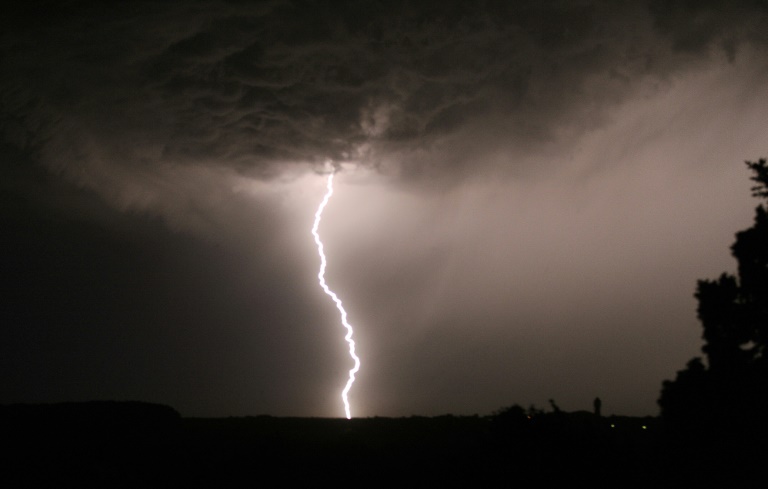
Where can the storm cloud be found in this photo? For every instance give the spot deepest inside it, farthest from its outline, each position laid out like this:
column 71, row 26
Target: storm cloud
column 416, row 88
column 528, row 189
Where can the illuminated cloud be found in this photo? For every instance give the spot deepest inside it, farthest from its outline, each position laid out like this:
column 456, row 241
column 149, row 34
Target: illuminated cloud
column 528, row 190
column 258, row 86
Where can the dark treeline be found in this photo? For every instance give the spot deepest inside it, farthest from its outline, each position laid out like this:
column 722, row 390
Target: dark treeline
column 109, row 444
column 106, row 444
column 716, row 409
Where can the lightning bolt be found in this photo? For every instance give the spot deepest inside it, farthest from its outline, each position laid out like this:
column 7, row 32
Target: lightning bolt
column 339, row 306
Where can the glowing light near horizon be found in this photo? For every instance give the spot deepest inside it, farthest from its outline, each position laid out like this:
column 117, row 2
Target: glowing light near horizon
column 339, row 306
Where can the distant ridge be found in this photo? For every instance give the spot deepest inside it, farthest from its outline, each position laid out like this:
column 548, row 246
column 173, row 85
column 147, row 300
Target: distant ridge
column 83, row 414
column 138, row 444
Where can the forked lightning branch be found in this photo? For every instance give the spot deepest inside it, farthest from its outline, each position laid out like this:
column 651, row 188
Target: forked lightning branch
column 332, row 295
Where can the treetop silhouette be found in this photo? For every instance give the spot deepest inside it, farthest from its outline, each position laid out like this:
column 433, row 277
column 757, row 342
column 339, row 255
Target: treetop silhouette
column 730, row 392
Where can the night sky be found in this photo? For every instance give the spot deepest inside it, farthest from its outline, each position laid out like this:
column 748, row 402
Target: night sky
column 526, row 194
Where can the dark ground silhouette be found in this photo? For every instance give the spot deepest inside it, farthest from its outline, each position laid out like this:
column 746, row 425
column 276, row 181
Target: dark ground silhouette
column 107, row 444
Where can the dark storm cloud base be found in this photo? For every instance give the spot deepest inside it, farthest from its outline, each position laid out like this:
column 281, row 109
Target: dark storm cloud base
column 262, row 86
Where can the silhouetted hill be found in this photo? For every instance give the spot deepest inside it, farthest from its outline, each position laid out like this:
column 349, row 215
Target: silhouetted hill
column 113, row 444
column 107, row 443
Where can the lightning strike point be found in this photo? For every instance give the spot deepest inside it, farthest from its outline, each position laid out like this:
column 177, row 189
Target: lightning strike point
column 332, row 295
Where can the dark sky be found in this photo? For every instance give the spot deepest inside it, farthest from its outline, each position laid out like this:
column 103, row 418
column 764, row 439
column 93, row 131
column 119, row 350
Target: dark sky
column 528, row 192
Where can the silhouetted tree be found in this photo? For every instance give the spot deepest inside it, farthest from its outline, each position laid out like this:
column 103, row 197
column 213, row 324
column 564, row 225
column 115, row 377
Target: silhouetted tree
column 729, row 395
column 555, row 407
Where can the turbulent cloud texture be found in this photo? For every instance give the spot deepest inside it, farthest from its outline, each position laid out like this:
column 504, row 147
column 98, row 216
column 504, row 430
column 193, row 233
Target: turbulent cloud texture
column 134, row 87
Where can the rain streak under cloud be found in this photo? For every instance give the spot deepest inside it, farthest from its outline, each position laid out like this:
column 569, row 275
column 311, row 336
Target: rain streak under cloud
column 528, row 194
